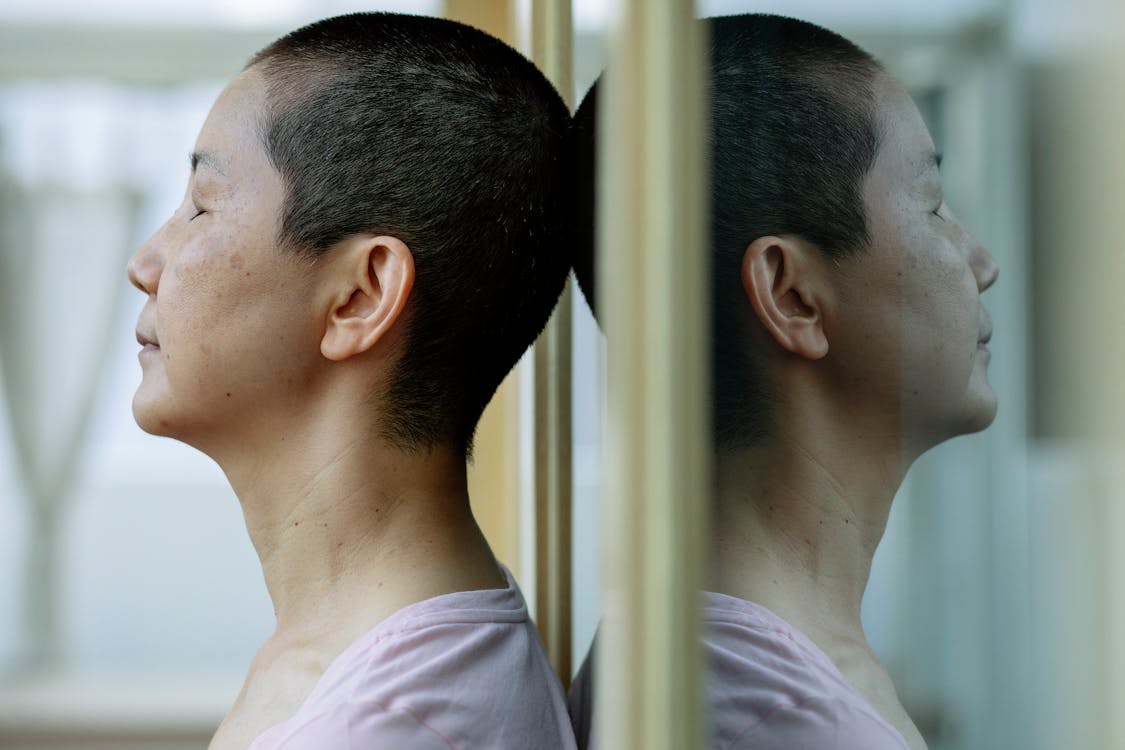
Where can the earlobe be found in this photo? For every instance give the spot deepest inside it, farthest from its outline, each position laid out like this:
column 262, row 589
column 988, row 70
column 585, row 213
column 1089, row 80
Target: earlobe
column 372, row 277
column 779, row 281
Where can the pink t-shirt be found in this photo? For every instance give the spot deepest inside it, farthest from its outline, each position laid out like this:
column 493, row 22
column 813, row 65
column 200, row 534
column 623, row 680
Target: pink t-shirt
column 462, row 671
column 770, row 688
column 773, row 689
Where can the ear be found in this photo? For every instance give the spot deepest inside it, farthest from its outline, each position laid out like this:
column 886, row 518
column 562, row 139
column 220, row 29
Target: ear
column 779, row 276
column 373, row 277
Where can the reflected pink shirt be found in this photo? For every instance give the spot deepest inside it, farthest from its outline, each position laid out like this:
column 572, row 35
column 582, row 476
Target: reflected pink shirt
column 462, row 671
column 770, row 688
column 773, row 689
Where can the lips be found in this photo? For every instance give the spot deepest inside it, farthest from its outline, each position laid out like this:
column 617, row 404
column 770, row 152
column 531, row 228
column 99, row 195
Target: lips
column 147, row 341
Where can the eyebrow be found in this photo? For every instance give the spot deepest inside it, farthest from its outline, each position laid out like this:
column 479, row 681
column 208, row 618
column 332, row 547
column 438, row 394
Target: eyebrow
column 207, row 159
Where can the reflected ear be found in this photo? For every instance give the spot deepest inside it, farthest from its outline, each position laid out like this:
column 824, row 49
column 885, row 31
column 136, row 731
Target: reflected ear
column 780, row 278
column 373, row 277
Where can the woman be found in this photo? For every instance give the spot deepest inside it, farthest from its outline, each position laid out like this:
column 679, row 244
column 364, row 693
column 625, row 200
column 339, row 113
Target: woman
column 368, row 243
column 849, row 337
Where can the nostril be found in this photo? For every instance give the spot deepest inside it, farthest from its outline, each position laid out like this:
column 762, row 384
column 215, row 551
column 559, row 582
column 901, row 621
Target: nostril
column 991, row 274
column 144, row 269
column 136, row 278
column 131, row 272
column 986, row 268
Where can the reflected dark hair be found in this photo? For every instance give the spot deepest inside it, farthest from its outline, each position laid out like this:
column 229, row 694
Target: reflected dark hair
column 792, row 135
column 448, row 139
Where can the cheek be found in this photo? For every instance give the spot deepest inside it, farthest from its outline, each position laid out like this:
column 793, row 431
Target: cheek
column 195, row 301
column 946, row 320
column 960, row 300
column 206, row 301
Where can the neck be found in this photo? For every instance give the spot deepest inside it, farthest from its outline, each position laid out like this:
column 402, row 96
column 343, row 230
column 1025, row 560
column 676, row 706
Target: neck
column 349, row 529
column 799, row 516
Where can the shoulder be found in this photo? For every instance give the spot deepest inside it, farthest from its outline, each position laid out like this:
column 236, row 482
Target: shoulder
column 817, row 723
column 760, row 660
column 456, row 638
column 459, row 671
column 359, row 724
column 771, row 687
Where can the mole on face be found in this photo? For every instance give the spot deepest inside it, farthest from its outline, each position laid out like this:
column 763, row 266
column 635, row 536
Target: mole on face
column 224, row 293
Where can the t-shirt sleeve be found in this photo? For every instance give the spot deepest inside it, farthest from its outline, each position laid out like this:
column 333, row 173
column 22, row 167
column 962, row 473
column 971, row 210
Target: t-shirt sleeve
column 351, row 726
column 817, row 725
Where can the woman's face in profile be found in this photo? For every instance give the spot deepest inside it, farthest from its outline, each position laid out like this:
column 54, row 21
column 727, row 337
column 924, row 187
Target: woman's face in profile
column 914, row 319
column 226, row 331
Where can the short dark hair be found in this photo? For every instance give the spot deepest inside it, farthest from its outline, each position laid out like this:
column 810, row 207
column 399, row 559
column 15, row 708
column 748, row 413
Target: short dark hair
column 792, row 135
column 446, row 138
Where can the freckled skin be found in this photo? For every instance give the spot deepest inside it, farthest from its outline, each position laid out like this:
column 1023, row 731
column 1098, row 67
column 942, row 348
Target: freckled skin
column 240, row 373
column 800, row 513
column 227, row 306
column 909, row 314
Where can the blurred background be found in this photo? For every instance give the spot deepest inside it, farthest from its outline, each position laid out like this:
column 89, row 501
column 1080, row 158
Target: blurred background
column 130, row 598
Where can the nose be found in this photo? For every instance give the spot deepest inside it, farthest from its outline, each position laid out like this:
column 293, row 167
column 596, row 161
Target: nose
column 984, row 267
column 146, row 265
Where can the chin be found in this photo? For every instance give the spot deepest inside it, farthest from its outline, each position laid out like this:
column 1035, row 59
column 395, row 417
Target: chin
column 147, row 414
column 984, row 420
column 976, row 418
column 149, row 423
column 979, row 417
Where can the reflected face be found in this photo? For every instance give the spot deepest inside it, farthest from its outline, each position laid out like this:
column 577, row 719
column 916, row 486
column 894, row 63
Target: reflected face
column 911, row 304
column 225, row 331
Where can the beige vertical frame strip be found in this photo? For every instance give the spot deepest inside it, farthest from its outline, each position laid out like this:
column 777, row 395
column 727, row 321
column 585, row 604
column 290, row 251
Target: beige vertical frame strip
column 497, row 17
column 551, row 50
column 653, row 264
column 494, row 474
